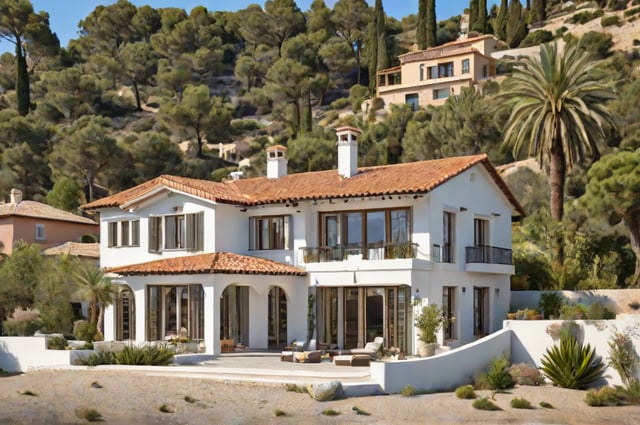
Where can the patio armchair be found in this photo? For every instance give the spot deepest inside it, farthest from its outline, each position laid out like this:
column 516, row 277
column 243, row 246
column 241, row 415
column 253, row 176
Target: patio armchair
column 370, row 348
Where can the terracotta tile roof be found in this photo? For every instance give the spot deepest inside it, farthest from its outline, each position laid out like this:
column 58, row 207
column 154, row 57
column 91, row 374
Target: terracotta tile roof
column 408, row 178
column 40, row 210
column 212, row 263
column 76, row 249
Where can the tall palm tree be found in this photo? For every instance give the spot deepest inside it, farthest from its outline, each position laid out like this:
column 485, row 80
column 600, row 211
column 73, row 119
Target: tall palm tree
column 95, row 288
column 558, row 111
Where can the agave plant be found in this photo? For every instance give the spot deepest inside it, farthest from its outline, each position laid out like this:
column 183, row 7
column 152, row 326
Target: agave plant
column 572, row 365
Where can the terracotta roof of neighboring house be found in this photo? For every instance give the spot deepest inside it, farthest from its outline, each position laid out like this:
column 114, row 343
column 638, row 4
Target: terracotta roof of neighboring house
column 40, row 210
column 397, row 179
column 434, row 54
column 76, row 249
column 217, row 262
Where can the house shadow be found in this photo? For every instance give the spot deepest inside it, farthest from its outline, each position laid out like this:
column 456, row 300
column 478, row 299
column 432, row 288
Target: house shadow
column 8, row 362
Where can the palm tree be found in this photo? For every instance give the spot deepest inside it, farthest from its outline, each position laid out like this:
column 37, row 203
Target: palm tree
column 558, row 110
column 95, row 288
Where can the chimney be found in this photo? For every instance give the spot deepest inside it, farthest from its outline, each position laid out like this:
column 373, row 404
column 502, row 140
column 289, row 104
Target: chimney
column 348, row 150
column 276, row 162
column 15, row 196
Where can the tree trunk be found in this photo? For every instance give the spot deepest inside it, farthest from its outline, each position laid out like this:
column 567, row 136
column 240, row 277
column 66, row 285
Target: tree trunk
column 557, row 174
column 136, row 91
column 633, row 223
column 99, row 324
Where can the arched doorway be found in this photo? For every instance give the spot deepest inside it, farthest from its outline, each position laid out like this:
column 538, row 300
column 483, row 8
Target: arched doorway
column 125, row 315
column 277, row 317
column 234, row 314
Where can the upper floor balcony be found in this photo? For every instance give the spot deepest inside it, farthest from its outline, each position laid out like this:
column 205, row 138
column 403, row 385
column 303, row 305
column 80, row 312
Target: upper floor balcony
column 488, row 255
column 372, row 252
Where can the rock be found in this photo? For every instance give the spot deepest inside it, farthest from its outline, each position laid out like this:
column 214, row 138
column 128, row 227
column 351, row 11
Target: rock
column 325, row 391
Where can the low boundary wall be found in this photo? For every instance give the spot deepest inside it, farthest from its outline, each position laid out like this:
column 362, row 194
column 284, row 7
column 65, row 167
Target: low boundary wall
column 21, row 354
column 445, row 371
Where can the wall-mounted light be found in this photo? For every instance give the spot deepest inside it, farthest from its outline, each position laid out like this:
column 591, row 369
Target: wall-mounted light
column 463, row 209
column 497, row 291
column 416, row 196
column 177, row 208
column 464, row 289
column 315, row 202
column 495, row 214
column 346, row 200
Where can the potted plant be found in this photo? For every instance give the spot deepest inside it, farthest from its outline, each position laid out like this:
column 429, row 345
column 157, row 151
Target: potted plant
column 429, row 322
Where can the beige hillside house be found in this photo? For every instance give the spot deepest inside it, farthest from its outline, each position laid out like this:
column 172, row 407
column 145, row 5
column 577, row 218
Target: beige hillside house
column 429, row 77
column 235, row 262
column 35, row 222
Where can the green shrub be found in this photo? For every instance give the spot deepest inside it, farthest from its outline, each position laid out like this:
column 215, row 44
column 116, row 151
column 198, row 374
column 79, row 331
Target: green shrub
column 280, row 412
column 484, row 404
column 535, row 38
column 330, row 412
column 623, row 356
column 498, row 377
column 631, row 12
column 604, row 396
column 550, row 304
column 526, row 374
column 189, row 399
column 165, row 408
column 295, row 388
column 573, row 312
column 597, row 43
column 340, row 103
column 21, row 323
column 359, row 411
column 546, row 405
column 57, row 342
column 84, row 331
column 241, row 125
column 597, row 311
column 90, row 415
column 584, row 17
column 147, row 356
column 609, row 21
column 617, row 4
column 408, row 391
column 466, row 392
column 572, row 365
column 357, row 95
column 520, row 403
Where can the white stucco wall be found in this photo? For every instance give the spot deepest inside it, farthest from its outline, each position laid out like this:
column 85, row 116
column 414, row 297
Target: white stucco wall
column 21, row 354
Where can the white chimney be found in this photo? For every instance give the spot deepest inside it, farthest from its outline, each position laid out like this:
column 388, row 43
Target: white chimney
column 348, row 150
column 276, row 161
column 15, row 196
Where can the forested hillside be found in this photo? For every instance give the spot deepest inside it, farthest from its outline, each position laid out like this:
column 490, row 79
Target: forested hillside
column 143, row 92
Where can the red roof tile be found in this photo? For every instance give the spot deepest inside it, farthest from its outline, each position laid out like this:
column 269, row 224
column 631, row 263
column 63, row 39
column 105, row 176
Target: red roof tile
column 76, row 249
column 408, row 178
column 212, row 263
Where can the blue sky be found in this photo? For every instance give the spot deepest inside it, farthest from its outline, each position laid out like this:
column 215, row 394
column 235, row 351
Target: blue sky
column 64, row 15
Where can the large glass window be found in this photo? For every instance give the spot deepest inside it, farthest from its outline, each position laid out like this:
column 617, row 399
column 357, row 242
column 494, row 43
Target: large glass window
column 413, row 100
column 369, row 231
column 445, row 69
column 441, row 93
column 448, row 310
column 175, row 232
column 270, row 232
column 171, row 310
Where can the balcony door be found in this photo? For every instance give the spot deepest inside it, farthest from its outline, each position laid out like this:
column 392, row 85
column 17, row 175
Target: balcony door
column 481, row 238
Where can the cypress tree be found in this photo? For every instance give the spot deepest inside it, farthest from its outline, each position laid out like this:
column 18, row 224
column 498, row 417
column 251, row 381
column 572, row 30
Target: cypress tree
column 480, row 22
column 473, row 14
column 421, row 30
column 500, row 24
column 377, row 44
column 432, row 25
column 538, row 11
column 516, row 27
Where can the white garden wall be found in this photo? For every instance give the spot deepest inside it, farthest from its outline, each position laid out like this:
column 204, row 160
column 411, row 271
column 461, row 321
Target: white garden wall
column 21, row 354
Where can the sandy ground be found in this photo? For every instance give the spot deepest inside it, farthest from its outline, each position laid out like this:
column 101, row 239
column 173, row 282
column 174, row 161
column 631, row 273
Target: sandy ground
column 126, row 397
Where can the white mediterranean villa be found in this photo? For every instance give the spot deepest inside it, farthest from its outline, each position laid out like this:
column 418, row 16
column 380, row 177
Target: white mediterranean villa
column 342, row 255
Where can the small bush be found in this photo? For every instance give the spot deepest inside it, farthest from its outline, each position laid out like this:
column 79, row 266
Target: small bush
column 84, row 331
column 359, row 411
column 604, row 396
column 330, row 412
column 498, row 377
column 550, row 304
column 573, row 312
column 535, row 38
column 408, row 391
column 609, row 21
column 189, row 399
column 526, row 374
column 466, row 392
column 21, row 323
column 165, row 408
column 295, row 388
column 57, row 342
column 340, row 103
column 280, row 412
column 546, row 405
column 631, row 12
column 147, row 356
column 29, row 393
column 90, row 415
column 597, row 311
column 357, row 95
column 520, row 403
column 485, row 404
column 623, row 356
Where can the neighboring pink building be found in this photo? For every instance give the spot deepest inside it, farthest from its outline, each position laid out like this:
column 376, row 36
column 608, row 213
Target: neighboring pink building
column 35, row 222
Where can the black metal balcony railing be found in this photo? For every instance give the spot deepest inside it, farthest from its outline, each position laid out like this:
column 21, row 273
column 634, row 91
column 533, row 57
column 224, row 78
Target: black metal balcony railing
column 442, row 253
column 381, row 251
column 489, row 255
